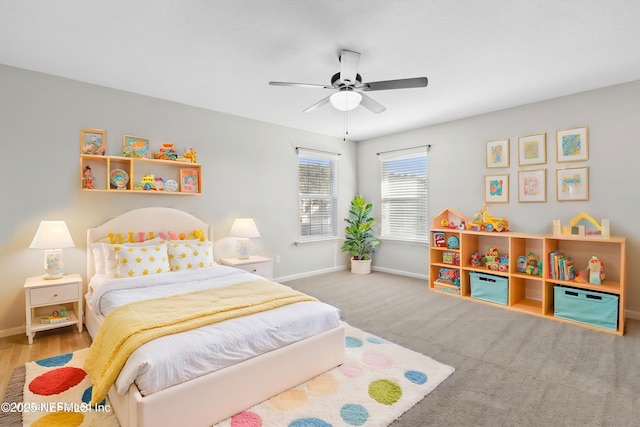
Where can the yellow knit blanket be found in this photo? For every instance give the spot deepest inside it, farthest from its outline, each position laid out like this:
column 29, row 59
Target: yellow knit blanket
column 128, row 327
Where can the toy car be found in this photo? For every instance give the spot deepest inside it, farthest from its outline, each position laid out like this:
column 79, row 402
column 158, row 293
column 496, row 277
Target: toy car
column 483, row 221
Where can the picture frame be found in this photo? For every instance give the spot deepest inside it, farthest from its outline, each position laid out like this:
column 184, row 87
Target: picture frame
column 189, row 181
column 532, row 149
column 497, row 154
column 136, row 146
column 572, row 184
column 572, row 145
column 496, row 188
column 93, row 141
column 532, row 186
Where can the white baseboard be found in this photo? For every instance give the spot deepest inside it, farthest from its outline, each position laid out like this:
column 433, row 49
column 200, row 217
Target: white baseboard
column 13, row 331
column 635, row 315
column 400, row 272
column 309, row 274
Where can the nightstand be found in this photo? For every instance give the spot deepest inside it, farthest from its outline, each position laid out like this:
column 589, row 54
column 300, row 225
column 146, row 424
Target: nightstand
column 43, row 296
column 259, row 265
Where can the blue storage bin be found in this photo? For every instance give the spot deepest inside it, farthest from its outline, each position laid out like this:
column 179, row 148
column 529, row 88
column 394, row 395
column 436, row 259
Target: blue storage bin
column 489, row 288
column 589, row 307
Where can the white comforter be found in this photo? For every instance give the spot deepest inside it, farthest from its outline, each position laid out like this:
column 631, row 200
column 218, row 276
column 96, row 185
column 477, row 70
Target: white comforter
column 173, row 359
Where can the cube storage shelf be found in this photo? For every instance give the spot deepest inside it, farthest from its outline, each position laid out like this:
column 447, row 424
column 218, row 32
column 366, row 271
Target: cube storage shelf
column 136, row 168
column 529, row 293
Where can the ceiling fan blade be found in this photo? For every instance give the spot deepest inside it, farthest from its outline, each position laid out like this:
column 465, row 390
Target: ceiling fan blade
column 372, row 105
column 349, row 61
column 318, row 104
column 301, row 85
column 395, row 84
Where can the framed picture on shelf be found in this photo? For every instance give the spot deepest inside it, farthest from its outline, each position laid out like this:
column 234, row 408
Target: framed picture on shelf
column 93, row 141
column 572, row 145
column 532, row 149
column 189, row 180
column 135, row 146
column 573, row 184
column 498, row 154
column 496, row 188
column 532, row 186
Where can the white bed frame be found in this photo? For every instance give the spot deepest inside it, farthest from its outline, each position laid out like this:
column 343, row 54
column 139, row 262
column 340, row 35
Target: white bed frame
column 218, row 395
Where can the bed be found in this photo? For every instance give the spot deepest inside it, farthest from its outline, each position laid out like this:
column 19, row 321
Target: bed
column 214, row 395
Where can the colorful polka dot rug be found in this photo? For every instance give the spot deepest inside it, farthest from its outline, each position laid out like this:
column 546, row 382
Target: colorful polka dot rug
column 376, row 384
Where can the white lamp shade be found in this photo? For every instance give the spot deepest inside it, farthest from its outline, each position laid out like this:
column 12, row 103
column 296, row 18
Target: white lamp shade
column 345, row 100
column 52, row 235
column 244, row 227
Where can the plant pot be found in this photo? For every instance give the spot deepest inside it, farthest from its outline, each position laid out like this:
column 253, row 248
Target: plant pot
column 360, row 266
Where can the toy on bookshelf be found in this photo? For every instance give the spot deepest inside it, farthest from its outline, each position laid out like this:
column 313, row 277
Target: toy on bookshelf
column 503, row 263
column 452, row 258
column 476, row 259
column 453, row 242
column 533, row 265
column 439, row 240
column 596, row 271
column 482, row 221
column 448, row 280
column 521, row 265
column 582, row 225
column 491, row 259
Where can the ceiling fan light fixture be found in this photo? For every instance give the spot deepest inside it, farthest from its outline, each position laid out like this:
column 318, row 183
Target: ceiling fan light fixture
column 345, row 100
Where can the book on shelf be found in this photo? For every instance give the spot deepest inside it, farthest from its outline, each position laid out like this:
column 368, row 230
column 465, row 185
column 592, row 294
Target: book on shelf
column 55, row 319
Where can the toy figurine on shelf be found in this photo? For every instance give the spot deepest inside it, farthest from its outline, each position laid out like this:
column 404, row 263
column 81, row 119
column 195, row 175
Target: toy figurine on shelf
column 87, row 178
column 190, row 154
column 491, row 259
column 148, row 182
column 503, row 263
column 521, row 266
column 476, row 259
column 533, row 267
column 482, row 221
column 596, row 271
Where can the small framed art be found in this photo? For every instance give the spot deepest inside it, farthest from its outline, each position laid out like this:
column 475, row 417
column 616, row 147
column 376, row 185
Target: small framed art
column 496, row 188
column 573, row 184
column 135, row 146
column 532, row 186
column 189, row 180
column 532, row 149
column 498, row 154
column 572, row 145
column 93, row 141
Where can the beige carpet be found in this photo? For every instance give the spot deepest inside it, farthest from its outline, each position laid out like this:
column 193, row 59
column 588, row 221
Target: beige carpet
column 378, row 382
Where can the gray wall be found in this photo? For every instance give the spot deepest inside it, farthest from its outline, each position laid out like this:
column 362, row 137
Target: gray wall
column 249, row 169
column 457, row 169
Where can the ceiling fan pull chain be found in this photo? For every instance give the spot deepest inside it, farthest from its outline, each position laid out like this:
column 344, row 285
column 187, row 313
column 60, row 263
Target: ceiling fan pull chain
column 346, row 125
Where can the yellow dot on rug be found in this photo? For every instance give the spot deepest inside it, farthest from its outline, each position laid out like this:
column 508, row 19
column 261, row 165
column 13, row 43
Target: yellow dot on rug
column 290, row 399
column 322, row 385
column 59, row 419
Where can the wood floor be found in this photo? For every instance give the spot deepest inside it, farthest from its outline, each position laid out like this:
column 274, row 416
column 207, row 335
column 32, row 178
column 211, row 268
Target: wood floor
column 16, row 351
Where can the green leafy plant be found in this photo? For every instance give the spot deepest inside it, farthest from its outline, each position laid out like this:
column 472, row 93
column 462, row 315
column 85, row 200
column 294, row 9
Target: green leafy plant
column 360, row 240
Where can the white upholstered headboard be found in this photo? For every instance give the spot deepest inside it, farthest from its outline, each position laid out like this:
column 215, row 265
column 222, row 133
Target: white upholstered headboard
column 154, row 219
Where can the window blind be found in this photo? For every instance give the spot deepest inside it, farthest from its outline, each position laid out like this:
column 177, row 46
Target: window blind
column 316, row 194
column 404, row 194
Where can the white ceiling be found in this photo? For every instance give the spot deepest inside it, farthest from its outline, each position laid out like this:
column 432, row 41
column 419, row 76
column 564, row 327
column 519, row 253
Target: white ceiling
column 479, row 55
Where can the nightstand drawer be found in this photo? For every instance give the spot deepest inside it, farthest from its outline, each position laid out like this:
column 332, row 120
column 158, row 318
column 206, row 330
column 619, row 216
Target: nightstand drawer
column 53, row 294
column 259, row 268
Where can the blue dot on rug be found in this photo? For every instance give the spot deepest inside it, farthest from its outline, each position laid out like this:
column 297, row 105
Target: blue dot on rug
column 352, row 342
column 86, row 397
column 353, row 414
column 376, row 340
column 416, row 377
column 309, row 422
column 59, row 360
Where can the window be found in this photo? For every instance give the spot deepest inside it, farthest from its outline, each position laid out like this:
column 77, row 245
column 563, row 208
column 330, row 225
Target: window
column 317, row 194
column 404, row 194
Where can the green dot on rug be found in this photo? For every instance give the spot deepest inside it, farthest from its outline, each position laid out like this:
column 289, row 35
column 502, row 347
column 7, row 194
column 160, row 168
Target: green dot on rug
column 385, row 392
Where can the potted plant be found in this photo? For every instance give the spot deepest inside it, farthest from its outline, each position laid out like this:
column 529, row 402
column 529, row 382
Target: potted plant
column 359, row 238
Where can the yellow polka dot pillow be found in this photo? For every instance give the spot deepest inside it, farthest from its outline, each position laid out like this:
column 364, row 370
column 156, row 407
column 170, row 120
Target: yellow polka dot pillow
column 141, row 260
column 190, row 255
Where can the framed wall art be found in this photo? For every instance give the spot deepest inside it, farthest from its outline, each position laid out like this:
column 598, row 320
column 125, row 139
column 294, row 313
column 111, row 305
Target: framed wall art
column 572, row 145
column 532, row 149
column 572, row 184
column 498, row 154
column 496, row 188
column 93, row 141
column 189, row 180
column 532, row 186
column 135, row 146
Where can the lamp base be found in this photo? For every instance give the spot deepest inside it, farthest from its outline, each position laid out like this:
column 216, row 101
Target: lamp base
column 243, row 248
column 53, row 264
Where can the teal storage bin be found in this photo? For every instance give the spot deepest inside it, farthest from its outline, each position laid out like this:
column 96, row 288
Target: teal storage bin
column 490, row 288
column 589, row 307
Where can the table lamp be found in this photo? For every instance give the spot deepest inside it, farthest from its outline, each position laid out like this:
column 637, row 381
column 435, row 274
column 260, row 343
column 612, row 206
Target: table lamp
column 244, row 228
column 52, row 236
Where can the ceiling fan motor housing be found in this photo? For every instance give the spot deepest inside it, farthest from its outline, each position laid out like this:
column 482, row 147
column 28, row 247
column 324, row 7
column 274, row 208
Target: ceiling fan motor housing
column 337, row 83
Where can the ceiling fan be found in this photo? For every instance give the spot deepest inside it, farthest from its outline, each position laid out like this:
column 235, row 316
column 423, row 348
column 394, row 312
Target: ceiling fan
column 351, row 89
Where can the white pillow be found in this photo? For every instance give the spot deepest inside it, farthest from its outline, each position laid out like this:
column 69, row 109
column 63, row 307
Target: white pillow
column 141, row 260
column 98, row 258
column 110, row 256
column 190, row 254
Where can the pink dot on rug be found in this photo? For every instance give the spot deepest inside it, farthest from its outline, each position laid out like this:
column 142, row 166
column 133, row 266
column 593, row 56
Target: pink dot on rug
column 376, row 359
column 246, row 419
column 290, row 399
column 350, row 370
column 56, row 381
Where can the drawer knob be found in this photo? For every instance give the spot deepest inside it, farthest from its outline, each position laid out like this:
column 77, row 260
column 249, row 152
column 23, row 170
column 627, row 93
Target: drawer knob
column 55, row 295
column 254, row 270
